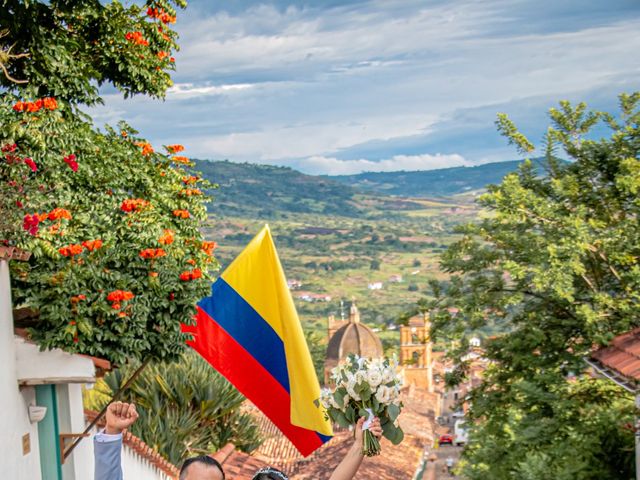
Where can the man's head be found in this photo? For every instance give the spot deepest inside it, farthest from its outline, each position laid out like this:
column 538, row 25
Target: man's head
column 201, row 468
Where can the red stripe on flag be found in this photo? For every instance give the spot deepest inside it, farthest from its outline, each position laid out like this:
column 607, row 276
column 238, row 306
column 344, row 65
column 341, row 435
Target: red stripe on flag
column 230, row 359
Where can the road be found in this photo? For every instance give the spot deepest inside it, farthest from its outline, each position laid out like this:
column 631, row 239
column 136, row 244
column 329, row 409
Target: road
column 436, row 470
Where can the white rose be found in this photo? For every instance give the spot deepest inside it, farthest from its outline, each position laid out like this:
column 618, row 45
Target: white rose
column 382, row 395
column 374, row 378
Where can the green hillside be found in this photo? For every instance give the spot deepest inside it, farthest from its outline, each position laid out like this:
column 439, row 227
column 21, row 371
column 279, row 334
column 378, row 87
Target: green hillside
column 268, row 192
column 430, row 183
column 265, row 191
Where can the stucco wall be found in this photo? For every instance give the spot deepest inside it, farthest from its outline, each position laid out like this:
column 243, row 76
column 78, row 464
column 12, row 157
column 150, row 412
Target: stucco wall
column 14, row 402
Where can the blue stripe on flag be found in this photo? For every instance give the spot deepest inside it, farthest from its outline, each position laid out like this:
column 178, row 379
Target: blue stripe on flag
column 232, row 312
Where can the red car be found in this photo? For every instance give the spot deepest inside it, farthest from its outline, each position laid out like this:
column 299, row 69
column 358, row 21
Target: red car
column 445, row 438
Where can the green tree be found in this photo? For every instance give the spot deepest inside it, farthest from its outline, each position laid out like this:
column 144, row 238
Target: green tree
column 68, row 49
column 375, row 264
column 555, row 266
column 118, row 258
column 186, row 408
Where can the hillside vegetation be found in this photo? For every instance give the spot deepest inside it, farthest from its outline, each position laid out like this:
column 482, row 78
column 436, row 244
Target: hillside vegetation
column 441, row 182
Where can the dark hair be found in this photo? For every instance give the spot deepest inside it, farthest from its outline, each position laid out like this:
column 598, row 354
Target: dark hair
column 270, row 473
column 206, row 459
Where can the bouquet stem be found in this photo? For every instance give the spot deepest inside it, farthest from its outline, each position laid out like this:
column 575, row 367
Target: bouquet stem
column 371, row 445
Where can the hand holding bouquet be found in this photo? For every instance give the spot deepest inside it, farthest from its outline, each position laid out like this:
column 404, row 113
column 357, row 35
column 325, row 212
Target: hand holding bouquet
column 366, row 388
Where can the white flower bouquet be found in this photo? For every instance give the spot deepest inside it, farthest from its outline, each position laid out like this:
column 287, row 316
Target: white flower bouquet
column 366, row 388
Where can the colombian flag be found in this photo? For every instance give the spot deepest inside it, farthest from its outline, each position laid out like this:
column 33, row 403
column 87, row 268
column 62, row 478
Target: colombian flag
column 248, row 330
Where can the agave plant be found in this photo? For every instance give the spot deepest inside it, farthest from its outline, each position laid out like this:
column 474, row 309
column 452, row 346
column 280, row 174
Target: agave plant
column 186, row 408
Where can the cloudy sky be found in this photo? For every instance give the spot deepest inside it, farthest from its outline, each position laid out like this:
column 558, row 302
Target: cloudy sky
column 329, row 86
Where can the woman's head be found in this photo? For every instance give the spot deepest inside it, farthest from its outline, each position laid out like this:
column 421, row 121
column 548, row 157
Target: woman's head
column 269, row 473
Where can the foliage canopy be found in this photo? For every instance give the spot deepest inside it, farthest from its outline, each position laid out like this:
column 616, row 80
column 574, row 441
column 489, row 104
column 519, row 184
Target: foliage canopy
column 555, row 266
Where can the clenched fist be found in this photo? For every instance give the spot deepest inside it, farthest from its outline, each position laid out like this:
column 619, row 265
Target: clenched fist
column 119, row 417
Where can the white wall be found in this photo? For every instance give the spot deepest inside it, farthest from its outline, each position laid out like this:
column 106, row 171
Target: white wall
column 14, row 416
column 79, row 466
column 134, row 467
column 35, row 367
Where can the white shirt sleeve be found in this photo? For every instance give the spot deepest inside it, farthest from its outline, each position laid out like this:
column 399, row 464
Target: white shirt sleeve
column 102, row 437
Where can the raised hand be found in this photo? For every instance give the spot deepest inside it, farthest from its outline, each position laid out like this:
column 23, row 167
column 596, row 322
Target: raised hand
column 374, row 428
column 120, row 416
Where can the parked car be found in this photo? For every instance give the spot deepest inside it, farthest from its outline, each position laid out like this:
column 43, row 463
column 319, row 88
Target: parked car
column 460, row 433
column 445, row 438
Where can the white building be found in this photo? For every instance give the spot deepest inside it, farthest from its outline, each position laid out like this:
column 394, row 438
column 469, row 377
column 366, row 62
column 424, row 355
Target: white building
column 42, row 410
column 375, row 286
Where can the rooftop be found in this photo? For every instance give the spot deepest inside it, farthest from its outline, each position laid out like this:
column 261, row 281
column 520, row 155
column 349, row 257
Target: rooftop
column 620, row 361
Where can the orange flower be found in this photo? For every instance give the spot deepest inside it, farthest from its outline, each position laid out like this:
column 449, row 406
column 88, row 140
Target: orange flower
column 119, row 295
column 147, row 149
column 124, row 134
column 181, row 213
column 137, row 38
column 133, row 204
column 208, row 247
column 92, row 245
column 34, row 106
column 181, row 159
column 190, row 180
column 153, row 274
column 187, row 192
column 194, row 274
column 166, row 238
column 115, row 306
column 166, row 18
column 122, row 314
column 41, row 216
column 162, row 55
column 20, row 106
column 50, row 103
column 153, row 253
column 191, row 261
column 71, row 250
column 175, row 148
column 78, row 298
column 58, row 213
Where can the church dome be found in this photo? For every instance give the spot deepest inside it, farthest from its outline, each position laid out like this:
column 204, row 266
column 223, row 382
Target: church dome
column 354, row 338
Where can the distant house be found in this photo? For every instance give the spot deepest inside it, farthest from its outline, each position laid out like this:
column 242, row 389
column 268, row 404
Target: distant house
column 314, row 297
column 375, row 286
column 294, row 284
column 395, row 278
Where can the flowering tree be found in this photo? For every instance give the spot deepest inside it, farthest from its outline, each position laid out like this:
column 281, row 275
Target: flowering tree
column 118, row 260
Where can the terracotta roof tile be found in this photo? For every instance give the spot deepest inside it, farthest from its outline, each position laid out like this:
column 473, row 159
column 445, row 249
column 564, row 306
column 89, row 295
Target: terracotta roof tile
column 622, row 355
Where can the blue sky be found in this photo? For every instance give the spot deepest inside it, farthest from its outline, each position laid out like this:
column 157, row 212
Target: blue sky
column 336, row 87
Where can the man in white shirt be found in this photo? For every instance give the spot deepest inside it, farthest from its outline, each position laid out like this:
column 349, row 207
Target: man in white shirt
column 107, row 444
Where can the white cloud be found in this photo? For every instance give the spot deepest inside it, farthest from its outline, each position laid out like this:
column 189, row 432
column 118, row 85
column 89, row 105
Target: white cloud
column 334, row 166
column 279, row 85
column 304, row 140
column 189, row 90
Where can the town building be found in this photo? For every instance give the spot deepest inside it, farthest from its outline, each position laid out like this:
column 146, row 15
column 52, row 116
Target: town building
column 416, row 352
column 350, row 337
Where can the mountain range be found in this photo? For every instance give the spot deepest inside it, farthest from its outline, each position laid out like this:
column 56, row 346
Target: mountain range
column 270, row 191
